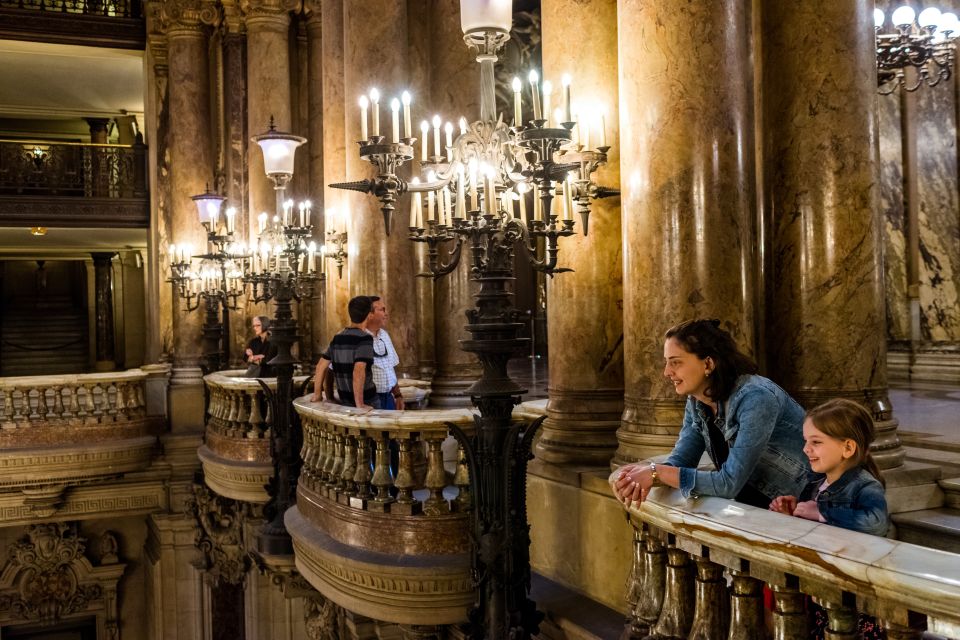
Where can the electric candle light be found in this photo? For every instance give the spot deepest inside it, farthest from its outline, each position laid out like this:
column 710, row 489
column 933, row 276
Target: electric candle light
column 522, row 196
column 303, row 214
column 405, row 98
column 431, row 176
column 323, row 259
column 565, row 81
column 287, row 206
column 172, row 254
column 424, row 129
column 395, row 119
column 517, row 112
column 547, row 90
column 364, row 103
column 603, row 126
column 309, row 206
column 436, row 136
column 414, row 198
column 311, row 250
column 463, row 125
column 474, row 197
column 231, row 217
column 447, row 212
column 375, row 108
column 448, row 130
column 262, row 222
column 461, row 210
column 568, row 195
column 534, row 78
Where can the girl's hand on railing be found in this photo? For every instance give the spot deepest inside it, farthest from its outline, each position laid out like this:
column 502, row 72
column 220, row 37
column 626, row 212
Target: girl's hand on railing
column 784, row 504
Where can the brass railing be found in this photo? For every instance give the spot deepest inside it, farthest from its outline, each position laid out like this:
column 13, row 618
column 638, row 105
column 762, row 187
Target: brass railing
column 117, row 8
column 700, row 567
column 72, row 170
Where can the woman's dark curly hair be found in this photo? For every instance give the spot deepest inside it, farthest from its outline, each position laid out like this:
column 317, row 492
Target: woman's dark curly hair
column 705, row 339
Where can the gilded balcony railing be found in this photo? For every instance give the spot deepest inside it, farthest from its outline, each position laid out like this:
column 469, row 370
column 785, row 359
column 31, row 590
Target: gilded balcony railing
column 113, row 8
column 77, row 170
column 700, row 567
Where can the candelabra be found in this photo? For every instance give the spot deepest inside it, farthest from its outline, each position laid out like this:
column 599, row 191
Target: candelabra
column 283, row 269
column 472, row 193
column 335, row 242
column 216, row 283
column 927, row 46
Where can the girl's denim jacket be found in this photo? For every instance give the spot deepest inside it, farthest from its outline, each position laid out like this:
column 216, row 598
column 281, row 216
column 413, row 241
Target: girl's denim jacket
column 763, row 427
column 855, row 501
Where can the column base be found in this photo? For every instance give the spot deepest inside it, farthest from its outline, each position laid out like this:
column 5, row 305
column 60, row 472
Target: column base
column 451, row 391
column 648, row 428
column 581, row 427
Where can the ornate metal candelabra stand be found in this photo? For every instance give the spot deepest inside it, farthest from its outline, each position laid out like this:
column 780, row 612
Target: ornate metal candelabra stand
column 283, row 271
column 216, row 284
column 531, row 157
column 335, row 249
column 927, row 46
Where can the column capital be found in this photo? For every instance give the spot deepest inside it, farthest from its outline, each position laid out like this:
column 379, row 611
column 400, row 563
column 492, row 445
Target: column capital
column 313, row 10
column 187, row 17
column 232, row 17
column 269, row 13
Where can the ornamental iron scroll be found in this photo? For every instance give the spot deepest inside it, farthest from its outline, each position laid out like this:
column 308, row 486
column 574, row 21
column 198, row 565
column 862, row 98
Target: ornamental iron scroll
column 47, row 578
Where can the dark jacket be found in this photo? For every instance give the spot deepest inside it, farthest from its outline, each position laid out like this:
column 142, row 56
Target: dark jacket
column 856, row 501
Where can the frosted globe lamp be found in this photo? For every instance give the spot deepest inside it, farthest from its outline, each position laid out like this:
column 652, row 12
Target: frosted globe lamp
column 208, row 207
column 878, row 18
column 279, row 149
column 903, row 16
column 476, row 15
column 929, row 18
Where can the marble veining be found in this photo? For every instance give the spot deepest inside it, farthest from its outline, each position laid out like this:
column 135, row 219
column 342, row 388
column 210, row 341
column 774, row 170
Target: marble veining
column 893, row 216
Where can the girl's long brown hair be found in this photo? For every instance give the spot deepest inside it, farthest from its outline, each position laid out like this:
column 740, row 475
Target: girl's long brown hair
column 845, row 419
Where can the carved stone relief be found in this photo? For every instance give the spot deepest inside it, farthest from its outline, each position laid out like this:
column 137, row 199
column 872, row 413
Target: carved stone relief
column 47, row 578
column 223, row 556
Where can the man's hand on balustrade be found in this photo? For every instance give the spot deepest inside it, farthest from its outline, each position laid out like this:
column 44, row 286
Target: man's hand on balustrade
column 784, row 504
column 634, row 483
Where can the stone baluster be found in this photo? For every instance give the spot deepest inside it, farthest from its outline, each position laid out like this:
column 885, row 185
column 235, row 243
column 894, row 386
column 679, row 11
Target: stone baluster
column 676, row 616
column 789, row 615
column 902, row 632
column 336, row 465
column 406, row 481
column 634, row 586
column 73, row 405
column 42, row 409
column 746, row 608
column 33, row 401
column 18, row 403
column 363, row 475
column 122, row 401
column 6, row 410
column 268, row 418
column 86, row 405
column 649, row 604
column 712, row 608
column 58, row 408
column 319, row 457
column 256, row 420
column 382, row 476
column 306, row 450
column 436, row 479
column 325, row 461
column 112, row 397
column 243, row 413
column 841, row 621
column 232, row 408
column 461, row 478
column 349, row 466
column 98, row 398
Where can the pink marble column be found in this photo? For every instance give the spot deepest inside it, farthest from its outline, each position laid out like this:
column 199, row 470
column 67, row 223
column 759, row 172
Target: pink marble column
column 584, row 317
column 454, row 82
column 827, row 331
column 375, row 50
column 686, row 126
column 268, row 89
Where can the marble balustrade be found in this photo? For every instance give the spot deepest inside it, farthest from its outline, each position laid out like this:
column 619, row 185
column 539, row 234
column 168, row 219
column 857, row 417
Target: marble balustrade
column 700, row 566
column 84, row 399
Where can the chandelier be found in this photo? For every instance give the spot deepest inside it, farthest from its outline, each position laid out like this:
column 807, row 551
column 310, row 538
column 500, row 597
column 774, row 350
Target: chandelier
column 927, row 45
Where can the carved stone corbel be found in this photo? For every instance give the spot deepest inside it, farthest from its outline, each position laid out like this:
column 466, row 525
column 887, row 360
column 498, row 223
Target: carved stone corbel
column 223, row 556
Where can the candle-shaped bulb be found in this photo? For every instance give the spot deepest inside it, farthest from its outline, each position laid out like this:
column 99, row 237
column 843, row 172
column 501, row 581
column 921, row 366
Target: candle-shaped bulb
column 395, row 119
column 405, row 99
column 517, row 110
column 534, row 79
column 375, row 96
column 364, row 104
column 262, row 222
column 375, row 103
column 436, row 135
column 424, row 131
column 565, row 81
column 463, row 125
column 448, row 130
column 231, row 216
column 516, row 84
column 547, row 90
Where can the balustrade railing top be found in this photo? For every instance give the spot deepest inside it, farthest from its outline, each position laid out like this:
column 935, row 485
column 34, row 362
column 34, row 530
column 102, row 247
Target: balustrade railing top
column 908, row 587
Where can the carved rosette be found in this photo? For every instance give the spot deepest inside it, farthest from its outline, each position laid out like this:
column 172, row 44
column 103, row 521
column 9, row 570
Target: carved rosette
column 47, row 578
column 223, row 556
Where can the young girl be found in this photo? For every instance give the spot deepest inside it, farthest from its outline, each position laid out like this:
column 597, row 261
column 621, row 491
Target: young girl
column 846, row 490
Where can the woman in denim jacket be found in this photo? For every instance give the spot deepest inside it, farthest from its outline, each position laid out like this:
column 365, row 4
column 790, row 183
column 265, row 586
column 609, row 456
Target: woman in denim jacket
column 749, row 427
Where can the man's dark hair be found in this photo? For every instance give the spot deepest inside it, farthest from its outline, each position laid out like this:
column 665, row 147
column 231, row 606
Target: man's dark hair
column 705, row 339
column 360, row 307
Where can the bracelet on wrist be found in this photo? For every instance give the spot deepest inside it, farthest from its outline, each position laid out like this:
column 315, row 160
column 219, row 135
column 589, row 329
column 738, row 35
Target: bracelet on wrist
column 654, row 477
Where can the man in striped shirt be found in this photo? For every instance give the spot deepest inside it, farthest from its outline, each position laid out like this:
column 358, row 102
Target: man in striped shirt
column 351, row 354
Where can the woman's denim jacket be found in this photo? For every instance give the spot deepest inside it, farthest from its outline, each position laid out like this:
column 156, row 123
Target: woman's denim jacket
column 855, row 501
column 763, row 427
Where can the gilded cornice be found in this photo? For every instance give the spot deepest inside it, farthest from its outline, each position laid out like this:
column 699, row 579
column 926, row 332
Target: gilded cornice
column 188, row 15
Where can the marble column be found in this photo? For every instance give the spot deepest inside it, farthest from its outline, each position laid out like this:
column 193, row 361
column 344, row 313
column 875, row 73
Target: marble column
column 454, row 83
column 191, row 164
column 827, row 333
column 316, row 334
column 268, row 90
column 99, row 130
column 688, row 198
column 375, row 54
column 335, row 147
column 584, row 317
column 103, row 300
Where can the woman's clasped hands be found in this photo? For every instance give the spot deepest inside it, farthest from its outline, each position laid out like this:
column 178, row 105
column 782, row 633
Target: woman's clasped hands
column 634, row 483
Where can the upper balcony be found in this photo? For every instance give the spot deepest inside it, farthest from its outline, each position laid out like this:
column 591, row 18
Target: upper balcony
column 73, row 185
column 103, row 23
